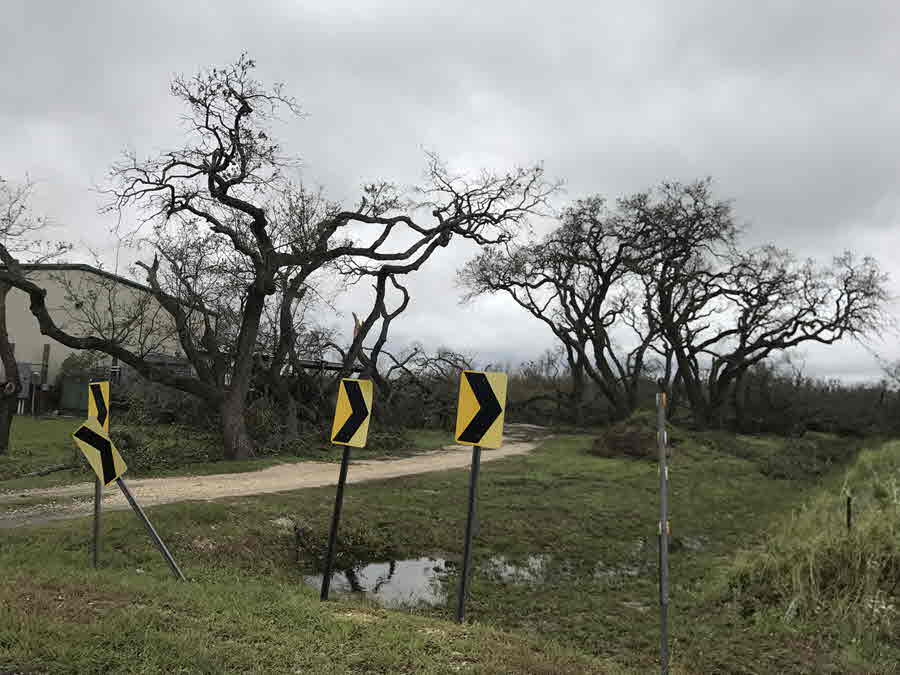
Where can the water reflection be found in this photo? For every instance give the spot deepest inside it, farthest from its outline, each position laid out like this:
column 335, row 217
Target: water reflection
column 399, row 583
column 424, row 582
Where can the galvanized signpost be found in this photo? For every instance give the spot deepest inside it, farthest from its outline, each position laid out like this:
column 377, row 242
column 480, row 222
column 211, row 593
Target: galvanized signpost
column 98, row 501
column 479, row 423
column 150, row 529
column 350, row 429
column 849, row 512
column 92, row 438
column 664, row 530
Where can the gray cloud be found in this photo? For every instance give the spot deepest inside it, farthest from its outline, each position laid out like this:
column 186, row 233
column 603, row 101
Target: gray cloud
column 791, row 107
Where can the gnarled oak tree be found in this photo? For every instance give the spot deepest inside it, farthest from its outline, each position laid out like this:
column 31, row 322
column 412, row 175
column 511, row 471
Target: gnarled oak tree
column 226, row 194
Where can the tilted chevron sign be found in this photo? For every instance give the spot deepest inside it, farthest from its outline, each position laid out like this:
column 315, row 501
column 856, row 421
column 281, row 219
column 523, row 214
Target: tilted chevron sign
column 99, row 450
column 92, row 437
column 479, row 418
column 352, row 413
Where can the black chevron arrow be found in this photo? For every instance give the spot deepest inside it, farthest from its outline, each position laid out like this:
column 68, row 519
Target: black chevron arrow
column 358, row 412
column 490, row 408
column 102, row 412
column 101, row 445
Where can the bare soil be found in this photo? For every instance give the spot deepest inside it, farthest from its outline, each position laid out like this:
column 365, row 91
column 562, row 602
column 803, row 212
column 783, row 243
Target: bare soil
column 74, row 501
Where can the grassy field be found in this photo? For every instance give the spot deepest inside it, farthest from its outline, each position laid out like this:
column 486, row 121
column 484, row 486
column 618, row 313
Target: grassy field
column 38, row 444
column 64, row 621
column 593, row 605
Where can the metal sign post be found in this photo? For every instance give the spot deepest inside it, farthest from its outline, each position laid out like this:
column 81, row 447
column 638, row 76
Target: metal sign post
column 150, row 530
column 479, row 423
column 663, row 532
column 470, row 525
column 98, row 501
column 335, row 521
column 849, row 512
column 350, row 429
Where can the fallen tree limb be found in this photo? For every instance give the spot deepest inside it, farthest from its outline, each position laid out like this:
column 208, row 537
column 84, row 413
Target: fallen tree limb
column 48, row 470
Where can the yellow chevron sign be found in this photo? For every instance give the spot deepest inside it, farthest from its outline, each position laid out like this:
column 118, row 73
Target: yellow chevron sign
column 98, row 404
column 481, row 409
column 99, row 450
column 352, row 413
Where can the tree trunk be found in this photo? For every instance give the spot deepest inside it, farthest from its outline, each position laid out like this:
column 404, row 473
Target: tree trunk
column 234, row 407
column 675, row 394
column 711, row 414
column 291, row 418
column 739, row 398
column 724, row 389
column 621, row 411
column 284, row 394
column 578, row 399
column 697, row 400
column 613, row 389
column 617, row 396
column 691, row 382
column 7, row 411
column 234, row 429
column 632, row 398
column 11, row 385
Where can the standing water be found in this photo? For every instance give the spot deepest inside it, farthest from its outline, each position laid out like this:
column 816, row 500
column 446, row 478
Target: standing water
column 400, row 583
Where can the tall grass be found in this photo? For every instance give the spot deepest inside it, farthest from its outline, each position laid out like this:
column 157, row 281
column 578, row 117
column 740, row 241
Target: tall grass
column 812, row 566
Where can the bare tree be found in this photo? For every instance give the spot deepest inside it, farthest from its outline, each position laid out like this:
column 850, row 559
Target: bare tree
column 224, row 187
column 892, row 373
column 721, row 310
column 368, row 358
column 425, row 385
column 19, row 233
column 548, row 372
column 576, row 280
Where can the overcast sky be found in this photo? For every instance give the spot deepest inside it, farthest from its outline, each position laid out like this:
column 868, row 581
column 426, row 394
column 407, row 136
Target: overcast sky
column 793, row 109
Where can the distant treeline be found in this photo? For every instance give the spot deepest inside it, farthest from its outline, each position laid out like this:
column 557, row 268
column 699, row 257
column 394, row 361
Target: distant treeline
column 773, row 397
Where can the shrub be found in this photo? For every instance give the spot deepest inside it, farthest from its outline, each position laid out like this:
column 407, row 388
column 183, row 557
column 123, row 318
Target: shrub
column 388, row 442
column 148, row 449
column 317, row 443
column 265, row 423
column 146, row 402
column 786, row 458
column 634, row 437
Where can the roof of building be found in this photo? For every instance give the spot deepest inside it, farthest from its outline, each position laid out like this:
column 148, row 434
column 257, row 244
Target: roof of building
column 81, row 267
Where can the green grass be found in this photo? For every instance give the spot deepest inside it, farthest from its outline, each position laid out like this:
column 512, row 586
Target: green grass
column 812, row 570
column 430, row 439
column 36, row 444
column 114, row 623
column 560, row 502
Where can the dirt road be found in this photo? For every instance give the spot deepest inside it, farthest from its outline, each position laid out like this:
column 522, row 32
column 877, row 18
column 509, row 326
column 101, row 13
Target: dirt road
column 74, row 501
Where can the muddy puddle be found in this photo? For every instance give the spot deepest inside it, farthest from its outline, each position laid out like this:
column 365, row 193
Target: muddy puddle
column 428, row 581
column 431, row 580
column 399, row 583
